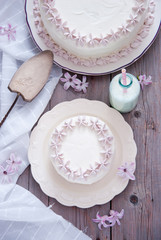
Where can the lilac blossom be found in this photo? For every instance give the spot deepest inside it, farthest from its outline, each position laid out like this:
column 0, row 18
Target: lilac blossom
column 5, row 173
column 127, row 171
column 70, row 81
column 14, row 162
column 82, row 86
column 112, row 219
column 143, row 80
column 74, row 82
column 10, row 32
column 101, row 220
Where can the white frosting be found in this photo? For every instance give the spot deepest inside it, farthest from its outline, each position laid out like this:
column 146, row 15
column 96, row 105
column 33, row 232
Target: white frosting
column 84, row 149
column 94, row 20
column 91, row 16
column 67, row 28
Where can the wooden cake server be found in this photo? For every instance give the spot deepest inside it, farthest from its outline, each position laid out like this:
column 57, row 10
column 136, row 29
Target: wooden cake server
column 30, row 78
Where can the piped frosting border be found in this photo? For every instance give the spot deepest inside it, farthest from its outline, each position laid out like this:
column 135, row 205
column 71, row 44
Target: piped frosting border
column 105, row 139
column 41, row 31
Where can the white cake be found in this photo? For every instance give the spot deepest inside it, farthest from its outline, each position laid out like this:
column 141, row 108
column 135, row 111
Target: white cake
column 81, row 149
column 93, row 32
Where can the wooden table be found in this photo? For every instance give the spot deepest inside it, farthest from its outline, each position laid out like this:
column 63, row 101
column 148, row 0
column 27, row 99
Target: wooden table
column 141, row 200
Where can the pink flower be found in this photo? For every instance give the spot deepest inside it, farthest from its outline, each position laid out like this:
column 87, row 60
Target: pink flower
column 69, row 80
column 101, row 220
column 74, row 82
column 14, row 162
column 6, row 173
column 112, row 219
column 10, row 32
column 143, row 80
column 59, row 134
column 55, row 144
column 68, row 125
column 82, row 86
column 127, row 171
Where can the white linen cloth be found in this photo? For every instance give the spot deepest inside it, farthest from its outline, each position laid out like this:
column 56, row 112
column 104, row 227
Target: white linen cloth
column 21, row 212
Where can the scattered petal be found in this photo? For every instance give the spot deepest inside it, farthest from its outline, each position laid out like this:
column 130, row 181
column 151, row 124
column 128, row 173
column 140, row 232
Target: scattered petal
column 10, row 32
column 14, row 162
column 5, row 173
column 112, row 219
column 143, row 80
column 127, row 171
column 74, row 82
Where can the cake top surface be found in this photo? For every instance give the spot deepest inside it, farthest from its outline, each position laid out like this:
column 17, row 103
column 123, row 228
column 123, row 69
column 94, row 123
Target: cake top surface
column 81, row 146
column 94, row 17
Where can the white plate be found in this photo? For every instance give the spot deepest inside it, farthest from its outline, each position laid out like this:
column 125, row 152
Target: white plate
column 97, row 70
column 72, row 194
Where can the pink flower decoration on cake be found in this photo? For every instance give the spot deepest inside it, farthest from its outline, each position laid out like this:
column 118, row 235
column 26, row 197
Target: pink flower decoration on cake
column 14, row 162
column 94, row 124
column 102, row 130
column 112, row 219
column 10, row 32
column 139, row 8
column 106, row 139
column 82, row 121
column 54, row 19
column 82, row 86
column 114, row 35
column 104, row 40
column 48, row 8
column 81, row 40
column 70, row 34
column 68, row 125
column 124, row 29
column 55, row 144
column 126, row 171
column 63, row 166
column 143, row 80
column 69, row 80
column 59, row 134
column 93, row 170
column 103, row 164
column 6, row 173
column 57, row 156
column 61, row 25
column 71, row 174
column 92, row 41
column 132, row 19
column 107, row 152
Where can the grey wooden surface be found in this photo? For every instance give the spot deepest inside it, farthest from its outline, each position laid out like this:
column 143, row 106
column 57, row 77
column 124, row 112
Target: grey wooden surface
column 141, row 200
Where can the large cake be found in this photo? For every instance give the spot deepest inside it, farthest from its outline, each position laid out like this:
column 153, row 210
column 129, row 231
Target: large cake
column 93, row 32
column 81, row 149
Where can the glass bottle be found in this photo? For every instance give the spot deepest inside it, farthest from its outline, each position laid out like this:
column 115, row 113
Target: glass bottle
column 123, row 97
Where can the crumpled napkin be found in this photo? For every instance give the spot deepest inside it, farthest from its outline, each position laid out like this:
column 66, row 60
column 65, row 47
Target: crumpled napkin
column 21, row 212
column 23, row 216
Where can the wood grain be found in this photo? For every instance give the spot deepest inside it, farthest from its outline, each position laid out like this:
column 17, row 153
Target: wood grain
column 141, row 198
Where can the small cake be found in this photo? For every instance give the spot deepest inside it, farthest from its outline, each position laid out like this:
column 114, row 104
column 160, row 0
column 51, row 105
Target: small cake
column 93, row 32
column 81, row 149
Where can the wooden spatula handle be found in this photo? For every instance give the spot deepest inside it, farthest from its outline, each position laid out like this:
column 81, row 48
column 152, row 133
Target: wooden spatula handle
column 18, row 94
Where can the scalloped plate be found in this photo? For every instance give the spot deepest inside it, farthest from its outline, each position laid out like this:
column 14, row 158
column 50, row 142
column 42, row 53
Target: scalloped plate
column 96, row 70
column 72, row 194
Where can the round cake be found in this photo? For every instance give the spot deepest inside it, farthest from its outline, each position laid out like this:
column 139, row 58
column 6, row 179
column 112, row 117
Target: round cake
column 92, row 32
column 81, row 149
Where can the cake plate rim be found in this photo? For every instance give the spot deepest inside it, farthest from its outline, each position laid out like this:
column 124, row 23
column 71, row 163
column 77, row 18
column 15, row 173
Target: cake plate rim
column 73, row 194
column 97, row 70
